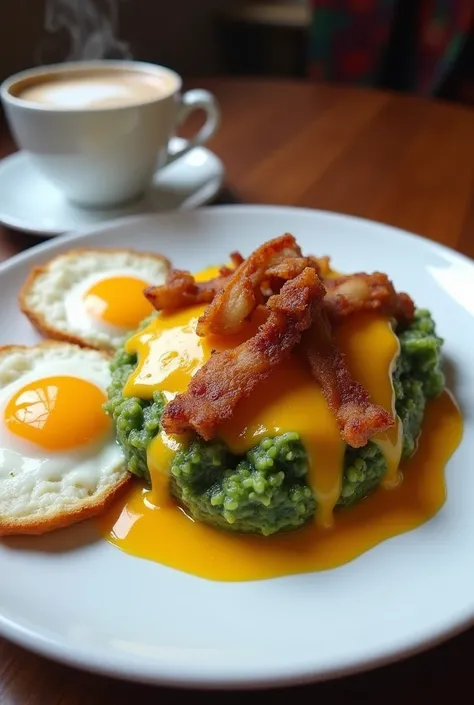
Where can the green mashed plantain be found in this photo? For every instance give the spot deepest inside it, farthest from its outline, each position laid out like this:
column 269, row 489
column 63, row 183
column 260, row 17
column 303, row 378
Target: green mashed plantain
column 265, row 490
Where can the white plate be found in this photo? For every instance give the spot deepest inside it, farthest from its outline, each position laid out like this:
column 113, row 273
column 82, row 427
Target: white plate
column 31, row 204
column 95, row 607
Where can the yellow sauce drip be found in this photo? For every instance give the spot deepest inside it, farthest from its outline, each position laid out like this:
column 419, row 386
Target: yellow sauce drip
column 168, row 536
column 287, row 401
column 366, row 345
column 160, row 454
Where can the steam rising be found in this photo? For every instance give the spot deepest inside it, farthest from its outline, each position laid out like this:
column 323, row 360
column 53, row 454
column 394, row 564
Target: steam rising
column 91, row 28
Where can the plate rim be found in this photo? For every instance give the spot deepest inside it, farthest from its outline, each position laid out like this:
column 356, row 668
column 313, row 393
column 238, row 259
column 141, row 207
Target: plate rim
column 75, row 656
column 72, row 236
column 54, row 650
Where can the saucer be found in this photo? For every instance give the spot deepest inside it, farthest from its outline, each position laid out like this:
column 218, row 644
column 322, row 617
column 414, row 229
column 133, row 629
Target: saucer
column 31, row 204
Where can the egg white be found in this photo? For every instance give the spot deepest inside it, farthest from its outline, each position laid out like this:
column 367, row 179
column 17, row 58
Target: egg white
column 33, row 479
column 54, row 297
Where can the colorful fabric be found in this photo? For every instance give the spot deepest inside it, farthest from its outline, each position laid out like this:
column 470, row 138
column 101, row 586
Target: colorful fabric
column 349, row 39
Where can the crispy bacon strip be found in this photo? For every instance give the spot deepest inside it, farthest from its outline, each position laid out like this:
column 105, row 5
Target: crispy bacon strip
column 232, row 375
column 357, row 417
column 349, row 294
column 292, row 266
column 366, row 292
column 236, row 259
column 289, row 268
column 277, row 275
column 242, row 293
column 181, row 289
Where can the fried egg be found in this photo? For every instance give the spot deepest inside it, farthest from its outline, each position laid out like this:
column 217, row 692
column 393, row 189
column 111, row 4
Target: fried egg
column 92, row 297
column 59, row 461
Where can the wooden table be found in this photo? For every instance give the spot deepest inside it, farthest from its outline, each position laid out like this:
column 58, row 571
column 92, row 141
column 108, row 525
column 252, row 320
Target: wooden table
column 399, row 160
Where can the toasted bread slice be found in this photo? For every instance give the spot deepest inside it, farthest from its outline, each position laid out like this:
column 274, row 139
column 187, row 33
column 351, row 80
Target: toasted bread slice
column 43, row 490
column 53, row 295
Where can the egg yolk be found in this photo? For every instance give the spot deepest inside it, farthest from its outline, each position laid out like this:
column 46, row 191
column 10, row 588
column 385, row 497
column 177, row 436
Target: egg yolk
column 118, row 301
column 57, row 413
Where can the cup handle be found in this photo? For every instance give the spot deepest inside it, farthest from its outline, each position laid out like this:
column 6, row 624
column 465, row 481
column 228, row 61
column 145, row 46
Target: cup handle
column 197, row 99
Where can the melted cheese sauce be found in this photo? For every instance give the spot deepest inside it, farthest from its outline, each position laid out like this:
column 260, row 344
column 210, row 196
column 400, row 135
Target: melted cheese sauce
column 170, row 353
column 168, row 536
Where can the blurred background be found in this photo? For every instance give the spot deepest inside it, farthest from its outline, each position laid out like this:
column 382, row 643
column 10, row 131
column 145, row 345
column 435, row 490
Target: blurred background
column 424, row 47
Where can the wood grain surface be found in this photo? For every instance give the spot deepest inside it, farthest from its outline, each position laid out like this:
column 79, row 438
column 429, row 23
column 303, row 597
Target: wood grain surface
column 396, row 159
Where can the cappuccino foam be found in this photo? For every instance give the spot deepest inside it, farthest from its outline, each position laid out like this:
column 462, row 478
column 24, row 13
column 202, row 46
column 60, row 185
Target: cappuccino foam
column 97, row 89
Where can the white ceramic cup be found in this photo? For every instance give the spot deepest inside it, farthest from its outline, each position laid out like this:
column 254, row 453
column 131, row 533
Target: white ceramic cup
column 101, row 157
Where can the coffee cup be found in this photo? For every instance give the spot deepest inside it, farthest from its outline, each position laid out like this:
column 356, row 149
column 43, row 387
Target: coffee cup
column 98, row 130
